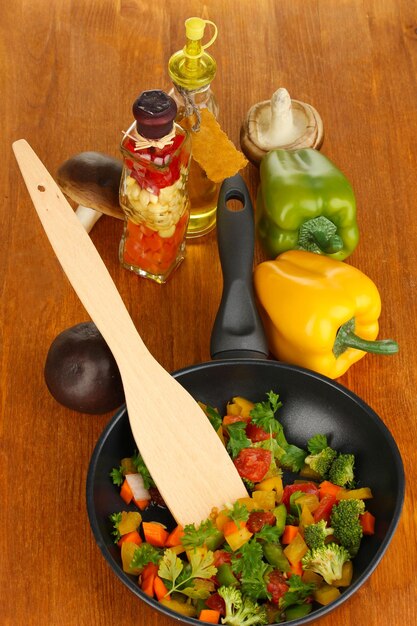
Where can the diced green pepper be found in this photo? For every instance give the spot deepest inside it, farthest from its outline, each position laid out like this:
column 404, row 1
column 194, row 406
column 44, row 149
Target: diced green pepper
column 280, row 513
column 225, row 576
column 275, row 556
column 215, row 540
column 298, row 610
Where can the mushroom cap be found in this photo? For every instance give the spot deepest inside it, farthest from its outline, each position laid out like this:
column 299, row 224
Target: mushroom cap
column 92, row 179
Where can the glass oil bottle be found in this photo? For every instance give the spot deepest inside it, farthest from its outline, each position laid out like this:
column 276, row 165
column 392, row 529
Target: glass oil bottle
column 192, row 70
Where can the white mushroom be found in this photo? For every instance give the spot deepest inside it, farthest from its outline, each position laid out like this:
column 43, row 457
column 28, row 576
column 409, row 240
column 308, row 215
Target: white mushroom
column 280, row 123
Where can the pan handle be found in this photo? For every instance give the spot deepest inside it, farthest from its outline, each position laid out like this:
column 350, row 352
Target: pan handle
column 237, row 330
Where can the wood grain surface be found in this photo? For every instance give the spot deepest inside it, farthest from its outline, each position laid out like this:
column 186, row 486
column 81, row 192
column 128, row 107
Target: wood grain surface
column 69, row 71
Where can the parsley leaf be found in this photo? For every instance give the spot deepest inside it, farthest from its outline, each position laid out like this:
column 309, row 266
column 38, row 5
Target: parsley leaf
column 194, row 537
column 263, row 413
column 239, row 512
column 144, row 554
column 297, row 592
column 214, row 417
column 316, row 444
column 115, row 519
column 249, row 566
column 117, row 476
column 237, row 438
column 139, row 463
column 294, row 458
column 270, row 534
column 201, row 566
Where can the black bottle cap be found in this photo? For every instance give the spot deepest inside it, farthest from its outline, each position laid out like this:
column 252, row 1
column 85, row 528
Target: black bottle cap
column 154, row 112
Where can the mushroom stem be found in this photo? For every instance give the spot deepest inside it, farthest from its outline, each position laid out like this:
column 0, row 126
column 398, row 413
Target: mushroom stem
column 282, row 123
column 88, row 217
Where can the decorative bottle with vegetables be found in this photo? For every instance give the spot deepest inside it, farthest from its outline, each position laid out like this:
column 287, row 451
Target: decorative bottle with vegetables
column 192, row 70
column 153, row 188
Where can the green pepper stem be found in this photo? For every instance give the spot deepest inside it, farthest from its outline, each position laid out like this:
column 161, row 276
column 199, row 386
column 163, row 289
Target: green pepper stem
column 319, row 234
column 346, row 338
column 327, row 244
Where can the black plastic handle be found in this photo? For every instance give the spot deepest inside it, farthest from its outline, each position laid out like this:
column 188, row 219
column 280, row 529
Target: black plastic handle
column 237, row 330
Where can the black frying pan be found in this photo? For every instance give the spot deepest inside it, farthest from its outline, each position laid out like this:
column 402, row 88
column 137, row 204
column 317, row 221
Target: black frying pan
column 311, row 404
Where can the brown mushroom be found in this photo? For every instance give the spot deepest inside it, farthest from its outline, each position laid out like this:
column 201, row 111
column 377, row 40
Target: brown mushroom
column 91, row 179
column 280, row 123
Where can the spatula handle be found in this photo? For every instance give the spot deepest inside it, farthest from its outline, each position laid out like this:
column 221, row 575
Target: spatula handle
column 78, row 256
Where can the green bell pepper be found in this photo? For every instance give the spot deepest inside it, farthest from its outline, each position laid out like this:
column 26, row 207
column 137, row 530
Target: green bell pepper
column 304, row 202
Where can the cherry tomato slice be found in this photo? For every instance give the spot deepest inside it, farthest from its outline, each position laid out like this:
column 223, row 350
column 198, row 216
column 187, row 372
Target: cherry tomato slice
column 258, row 519
column 216, row 603
column 325, row 507
column 256, row 433
column 276, row 585
column 253, row 463
column 304, row 487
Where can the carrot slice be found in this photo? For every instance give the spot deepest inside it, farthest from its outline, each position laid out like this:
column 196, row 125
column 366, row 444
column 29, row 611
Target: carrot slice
column 155, row 534
column 289, row 533
column 296, row 568
column 174, row 538
column 367, row 521
column 328, row 488
column 132, row 537
column 160, row 589
column 125, row 492
column 149, row 573
column 209, row 615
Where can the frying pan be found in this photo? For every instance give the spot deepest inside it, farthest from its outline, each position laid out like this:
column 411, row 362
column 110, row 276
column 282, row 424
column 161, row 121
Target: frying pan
column 312, row 404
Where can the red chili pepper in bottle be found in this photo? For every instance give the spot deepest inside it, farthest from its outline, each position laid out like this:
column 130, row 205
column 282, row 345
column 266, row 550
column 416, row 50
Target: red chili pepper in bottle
column 153, row 188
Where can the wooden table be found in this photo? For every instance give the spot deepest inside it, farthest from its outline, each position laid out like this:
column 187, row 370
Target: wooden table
column 69, row 73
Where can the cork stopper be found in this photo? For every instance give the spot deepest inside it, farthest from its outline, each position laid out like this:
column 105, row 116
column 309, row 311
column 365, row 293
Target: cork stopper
column 154, row 112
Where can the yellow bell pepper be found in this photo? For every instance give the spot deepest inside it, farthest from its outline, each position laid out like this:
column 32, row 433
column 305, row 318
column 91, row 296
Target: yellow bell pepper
column 319, row 313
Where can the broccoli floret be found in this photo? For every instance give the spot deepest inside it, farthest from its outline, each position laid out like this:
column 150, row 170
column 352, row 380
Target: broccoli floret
column 346, row 525
column 327, row 561
column 315, row 534
column 241, row 611
column 321, row 461
column 341, row 470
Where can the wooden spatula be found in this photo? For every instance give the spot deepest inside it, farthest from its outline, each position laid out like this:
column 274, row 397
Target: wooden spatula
column 181, row 449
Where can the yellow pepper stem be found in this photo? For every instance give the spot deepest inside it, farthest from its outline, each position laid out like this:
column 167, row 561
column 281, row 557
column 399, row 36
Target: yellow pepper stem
column 346, row 338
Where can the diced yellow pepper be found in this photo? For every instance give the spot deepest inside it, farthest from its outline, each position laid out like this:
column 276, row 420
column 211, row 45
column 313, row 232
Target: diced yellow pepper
column 200, row 550
column 240, row 406
column 306, row 517
column 220, row 433
column 180, row 607
column 310, row 500
column 326, row 594
column 296, row 549
column 272, row 484
column 221, row 519
column 311, row 577
column 347, row 573
column 238, row 538
column 127, row 552
column 307, row 473
column 364, row 493
column 250, row 503
column 130, row 521
column 265, row 500
column 128, row 466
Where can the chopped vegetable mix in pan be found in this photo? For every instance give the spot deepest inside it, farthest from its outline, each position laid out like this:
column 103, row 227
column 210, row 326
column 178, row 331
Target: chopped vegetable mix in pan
column 268, row 558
